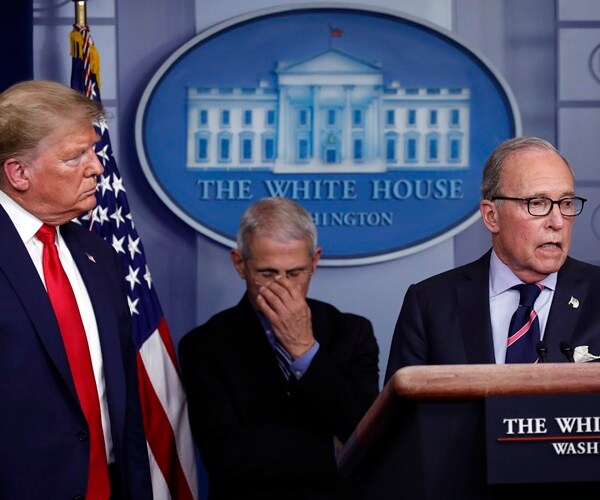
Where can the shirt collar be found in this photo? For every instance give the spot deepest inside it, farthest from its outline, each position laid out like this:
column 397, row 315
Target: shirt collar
column 25, row 223
column 502, row 278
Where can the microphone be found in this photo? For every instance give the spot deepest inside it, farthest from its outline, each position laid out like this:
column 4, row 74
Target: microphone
column 542, row 350
column 567, row 349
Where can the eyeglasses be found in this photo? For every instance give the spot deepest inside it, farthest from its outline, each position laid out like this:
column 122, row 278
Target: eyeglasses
column 569, row 206
column 263, row 278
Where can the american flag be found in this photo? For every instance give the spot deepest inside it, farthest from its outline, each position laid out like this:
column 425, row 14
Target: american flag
column 164, row 407
column 335, row 32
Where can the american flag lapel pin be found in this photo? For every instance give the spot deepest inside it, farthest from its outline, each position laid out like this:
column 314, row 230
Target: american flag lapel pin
column 573, row 302
column 90, row 258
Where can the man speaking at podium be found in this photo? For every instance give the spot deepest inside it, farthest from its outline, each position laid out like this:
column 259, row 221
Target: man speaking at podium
column 525, row 300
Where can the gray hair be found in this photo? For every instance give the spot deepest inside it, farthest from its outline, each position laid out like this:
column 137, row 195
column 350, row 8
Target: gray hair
column 279, row 218
column 31, row 110
column 492, row 171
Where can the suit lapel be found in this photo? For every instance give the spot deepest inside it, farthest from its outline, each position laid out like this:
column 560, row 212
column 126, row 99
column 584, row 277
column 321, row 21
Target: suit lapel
column 474, row 312
column 16, row 264
column 253, row 345
column 563, row 318
column 93, row 272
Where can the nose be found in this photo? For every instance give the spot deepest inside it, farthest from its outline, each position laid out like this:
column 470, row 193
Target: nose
column 555, row 218
column 94, row 166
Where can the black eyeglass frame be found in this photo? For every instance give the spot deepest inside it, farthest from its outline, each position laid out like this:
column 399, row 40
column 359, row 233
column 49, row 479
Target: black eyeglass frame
column 552, row 203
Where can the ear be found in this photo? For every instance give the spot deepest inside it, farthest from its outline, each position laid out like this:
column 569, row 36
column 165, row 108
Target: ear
column 490, row 216
column 316, row 257
column 238, row 262
column 16, row 173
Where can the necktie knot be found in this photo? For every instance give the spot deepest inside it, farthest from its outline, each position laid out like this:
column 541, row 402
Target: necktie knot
column 529, row 293
column 46, row 234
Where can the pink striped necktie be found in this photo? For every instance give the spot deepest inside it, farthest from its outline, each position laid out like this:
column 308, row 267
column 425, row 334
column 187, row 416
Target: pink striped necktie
column 524, row 330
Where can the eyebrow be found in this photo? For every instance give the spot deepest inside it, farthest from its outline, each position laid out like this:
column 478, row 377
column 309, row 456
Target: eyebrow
column 273, row 270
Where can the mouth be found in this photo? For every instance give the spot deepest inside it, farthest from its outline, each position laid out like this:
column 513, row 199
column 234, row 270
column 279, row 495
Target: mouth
column 90, row 192
column 551, row 246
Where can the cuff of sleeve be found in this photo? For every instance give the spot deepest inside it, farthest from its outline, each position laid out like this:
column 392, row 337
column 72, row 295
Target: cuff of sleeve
column 300, row 365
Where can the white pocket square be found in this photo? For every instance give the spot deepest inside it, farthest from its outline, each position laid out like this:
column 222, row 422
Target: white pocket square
column 581, row 354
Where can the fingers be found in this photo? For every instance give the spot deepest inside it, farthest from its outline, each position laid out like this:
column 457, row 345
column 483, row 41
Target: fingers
column 281, row 293
column 286, row 309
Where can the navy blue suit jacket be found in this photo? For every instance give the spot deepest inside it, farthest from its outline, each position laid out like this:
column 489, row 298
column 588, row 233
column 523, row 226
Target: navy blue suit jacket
column 445, row 319
column 43, row 451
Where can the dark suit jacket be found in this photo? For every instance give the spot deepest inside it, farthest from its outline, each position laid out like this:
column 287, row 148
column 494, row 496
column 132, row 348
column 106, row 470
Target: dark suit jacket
column 43, row 453
column 446, row 319
column 259, row 436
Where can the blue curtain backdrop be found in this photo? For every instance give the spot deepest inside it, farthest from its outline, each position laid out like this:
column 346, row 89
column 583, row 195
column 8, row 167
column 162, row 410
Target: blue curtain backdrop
column 16, row 42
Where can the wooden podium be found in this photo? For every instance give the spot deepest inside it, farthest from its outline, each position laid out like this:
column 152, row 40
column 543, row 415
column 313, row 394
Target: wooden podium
column 425, row 435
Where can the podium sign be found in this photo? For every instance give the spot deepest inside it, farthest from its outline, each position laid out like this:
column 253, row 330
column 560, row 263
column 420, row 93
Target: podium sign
column 543, row 439
column 480, row 432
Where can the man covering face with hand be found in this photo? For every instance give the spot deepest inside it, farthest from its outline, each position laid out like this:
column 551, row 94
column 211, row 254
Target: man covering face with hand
column 278, row 381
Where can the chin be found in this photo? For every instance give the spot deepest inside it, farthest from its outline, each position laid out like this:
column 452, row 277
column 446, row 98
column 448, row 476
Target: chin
column 89, row 204
column 553, row 267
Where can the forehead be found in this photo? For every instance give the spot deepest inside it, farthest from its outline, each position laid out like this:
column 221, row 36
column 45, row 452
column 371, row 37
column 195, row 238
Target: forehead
column 536, row 172
column 265, row 250
column 69, row 135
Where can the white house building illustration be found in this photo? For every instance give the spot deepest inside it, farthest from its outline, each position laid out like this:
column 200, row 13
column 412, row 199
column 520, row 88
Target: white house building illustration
column 329, row 113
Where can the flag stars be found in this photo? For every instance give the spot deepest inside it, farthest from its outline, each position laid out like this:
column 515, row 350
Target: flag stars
column 132, row 277
column 133, row 306
column 117, row 244
column 102, row 126
column 92, row 216
column 130, row 218
column 132, row 245
column 104, row 184
column 117, row 184
column 118, row 218
column 103, row 155
column 148, row 277
column 93, row 94
column 102, row 215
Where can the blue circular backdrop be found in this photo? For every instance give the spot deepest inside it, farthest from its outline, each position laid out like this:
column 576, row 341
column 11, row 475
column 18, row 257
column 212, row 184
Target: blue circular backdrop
column 363, row 217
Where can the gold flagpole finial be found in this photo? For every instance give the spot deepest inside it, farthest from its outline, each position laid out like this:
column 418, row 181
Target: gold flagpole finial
column 80, row 12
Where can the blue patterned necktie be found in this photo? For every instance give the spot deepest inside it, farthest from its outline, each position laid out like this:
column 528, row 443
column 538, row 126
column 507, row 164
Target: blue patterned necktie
column 283, row 359
column 524, row 330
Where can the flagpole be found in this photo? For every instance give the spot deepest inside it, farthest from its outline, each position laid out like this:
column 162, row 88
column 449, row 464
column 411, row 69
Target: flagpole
column 80, row 12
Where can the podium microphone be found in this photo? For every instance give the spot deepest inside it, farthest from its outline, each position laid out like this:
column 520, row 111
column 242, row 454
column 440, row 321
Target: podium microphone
column 542, row 351
column 567, row 349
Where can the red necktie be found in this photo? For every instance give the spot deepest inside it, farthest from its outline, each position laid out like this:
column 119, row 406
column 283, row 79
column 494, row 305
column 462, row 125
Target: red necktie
column 73, row 336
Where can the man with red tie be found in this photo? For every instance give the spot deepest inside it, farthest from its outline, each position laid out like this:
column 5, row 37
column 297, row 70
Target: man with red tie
column 70, row 423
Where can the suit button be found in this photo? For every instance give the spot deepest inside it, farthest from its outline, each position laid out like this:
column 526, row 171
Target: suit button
column 82, row 435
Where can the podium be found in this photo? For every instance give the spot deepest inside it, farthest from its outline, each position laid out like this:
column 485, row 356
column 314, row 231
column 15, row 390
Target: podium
column 428, row 434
